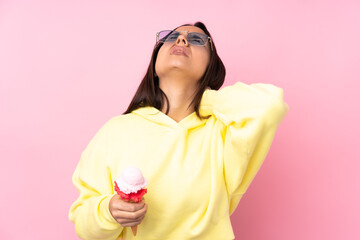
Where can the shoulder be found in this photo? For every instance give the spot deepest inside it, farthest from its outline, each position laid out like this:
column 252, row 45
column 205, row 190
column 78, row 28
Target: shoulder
column 120, row 121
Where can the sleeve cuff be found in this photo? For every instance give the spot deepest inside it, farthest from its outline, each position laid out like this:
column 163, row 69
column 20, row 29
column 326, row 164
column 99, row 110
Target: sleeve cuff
column 104, row 208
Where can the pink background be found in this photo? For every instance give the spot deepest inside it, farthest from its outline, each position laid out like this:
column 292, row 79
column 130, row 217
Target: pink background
column 66, row 67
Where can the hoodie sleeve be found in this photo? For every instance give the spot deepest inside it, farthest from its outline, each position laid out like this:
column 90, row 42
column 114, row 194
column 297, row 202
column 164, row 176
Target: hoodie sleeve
column 250, row 115
column 90, row 212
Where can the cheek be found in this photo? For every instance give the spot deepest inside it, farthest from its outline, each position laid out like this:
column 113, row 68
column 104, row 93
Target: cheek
column 205, row 60
column 159, row 59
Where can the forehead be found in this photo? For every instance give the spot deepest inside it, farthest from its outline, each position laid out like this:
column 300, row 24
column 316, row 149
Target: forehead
column 190, row 29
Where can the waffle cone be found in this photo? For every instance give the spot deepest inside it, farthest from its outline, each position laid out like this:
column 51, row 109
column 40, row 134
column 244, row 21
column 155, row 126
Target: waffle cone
column 134, row 230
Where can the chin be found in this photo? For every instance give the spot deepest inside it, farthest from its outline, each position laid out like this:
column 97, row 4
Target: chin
column 179, row 63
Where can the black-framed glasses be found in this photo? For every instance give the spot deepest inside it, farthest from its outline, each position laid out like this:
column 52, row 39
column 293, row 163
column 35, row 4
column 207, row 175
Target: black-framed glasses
column 193, row 38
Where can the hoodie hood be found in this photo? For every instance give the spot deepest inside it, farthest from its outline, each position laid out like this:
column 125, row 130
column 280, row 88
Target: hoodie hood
column 189, row 122
column 154, row 115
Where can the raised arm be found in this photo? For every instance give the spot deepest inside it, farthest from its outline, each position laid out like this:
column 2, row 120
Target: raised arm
column 250, row 114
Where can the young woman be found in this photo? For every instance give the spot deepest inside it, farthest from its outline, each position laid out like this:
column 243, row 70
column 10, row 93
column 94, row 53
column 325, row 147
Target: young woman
column 198, row 147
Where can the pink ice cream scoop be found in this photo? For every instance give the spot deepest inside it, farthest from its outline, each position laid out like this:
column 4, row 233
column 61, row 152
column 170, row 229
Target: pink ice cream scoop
column 131, row 180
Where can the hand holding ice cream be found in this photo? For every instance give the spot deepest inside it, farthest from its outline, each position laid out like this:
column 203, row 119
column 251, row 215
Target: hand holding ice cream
column 131, row 187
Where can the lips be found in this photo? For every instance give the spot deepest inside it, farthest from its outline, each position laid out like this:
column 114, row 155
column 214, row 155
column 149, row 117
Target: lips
column 177, row 50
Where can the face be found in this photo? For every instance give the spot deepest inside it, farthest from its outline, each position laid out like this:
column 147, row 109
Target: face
column 191, row 65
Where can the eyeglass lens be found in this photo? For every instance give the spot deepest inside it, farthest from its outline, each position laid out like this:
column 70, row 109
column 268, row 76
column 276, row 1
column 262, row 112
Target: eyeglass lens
column 193, row 38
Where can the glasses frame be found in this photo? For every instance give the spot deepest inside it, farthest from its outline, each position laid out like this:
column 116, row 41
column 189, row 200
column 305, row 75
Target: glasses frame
column 208, row 38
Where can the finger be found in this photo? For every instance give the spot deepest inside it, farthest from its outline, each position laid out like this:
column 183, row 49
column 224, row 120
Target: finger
column 132, row 215
column 123, row 221
column 130, row 207
column 139, row 219
column 131, row 224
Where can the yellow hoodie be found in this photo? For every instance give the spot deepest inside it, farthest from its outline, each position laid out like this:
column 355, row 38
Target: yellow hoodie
column 197, row 170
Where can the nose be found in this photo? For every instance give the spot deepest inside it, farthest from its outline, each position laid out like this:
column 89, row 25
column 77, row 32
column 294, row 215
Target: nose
column 182, row 39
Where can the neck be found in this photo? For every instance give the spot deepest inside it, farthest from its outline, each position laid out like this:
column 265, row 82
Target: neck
column 180, row 95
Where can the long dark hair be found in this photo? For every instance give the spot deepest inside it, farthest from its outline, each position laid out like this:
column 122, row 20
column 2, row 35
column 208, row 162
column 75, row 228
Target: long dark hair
column 150, row 94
